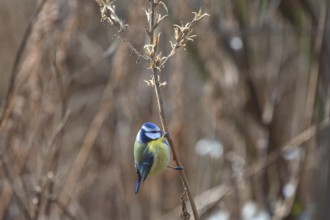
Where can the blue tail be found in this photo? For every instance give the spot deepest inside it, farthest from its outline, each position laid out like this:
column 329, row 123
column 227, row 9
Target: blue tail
column 142, row 170
column 137, row 185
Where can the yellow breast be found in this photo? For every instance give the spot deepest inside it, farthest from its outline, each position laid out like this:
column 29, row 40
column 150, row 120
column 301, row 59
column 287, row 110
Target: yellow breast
column 161, row 154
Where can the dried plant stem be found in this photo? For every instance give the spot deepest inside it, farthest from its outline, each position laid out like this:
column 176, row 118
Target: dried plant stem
column 22, row 207
column 170, row 140
column 88, row 143
column 162, row 115
column 108, row 14
column 17, row 60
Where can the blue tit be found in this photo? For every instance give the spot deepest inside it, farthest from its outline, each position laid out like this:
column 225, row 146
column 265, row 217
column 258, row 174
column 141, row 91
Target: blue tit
column 151, row 152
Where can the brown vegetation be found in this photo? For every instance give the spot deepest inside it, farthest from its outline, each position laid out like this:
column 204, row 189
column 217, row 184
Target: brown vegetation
column 247, row 105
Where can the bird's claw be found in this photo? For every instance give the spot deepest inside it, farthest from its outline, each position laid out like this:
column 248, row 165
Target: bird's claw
column 179, row 168
column 176, row 168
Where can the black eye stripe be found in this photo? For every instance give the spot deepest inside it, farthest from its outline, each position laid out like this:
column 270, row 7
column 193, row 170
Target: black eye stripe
column 153, row 132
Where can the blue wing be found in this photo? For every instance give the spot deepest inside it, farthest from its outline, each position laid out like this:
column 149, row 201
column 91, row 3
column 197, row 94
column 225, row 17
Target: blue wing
column 142, row 169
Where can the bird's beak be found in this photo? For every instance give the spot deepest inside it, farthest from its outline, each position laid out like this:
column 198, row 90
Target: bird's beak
column 166, row 133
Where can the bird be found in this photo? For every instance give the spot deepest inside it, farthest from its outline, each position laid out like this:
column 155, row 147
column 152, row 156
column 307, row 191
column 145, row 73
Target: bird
column 151, row 152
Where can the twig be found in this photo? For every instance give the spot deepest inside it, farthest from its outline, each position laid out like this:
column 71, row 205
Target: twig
column 315, row 66
column 59, row 128
column 161, row 108
column 51, row 166
column 105, row 54
column 18, row 57
column 87, row 145
column 108, row 14
column 19, row 201
column 64, row 210
column 170, row 141
column 184, row 213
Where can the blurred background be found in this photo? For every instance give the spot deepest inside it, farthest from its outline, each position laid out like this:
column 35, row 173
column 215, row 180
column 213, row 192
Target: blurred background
column 247, row 104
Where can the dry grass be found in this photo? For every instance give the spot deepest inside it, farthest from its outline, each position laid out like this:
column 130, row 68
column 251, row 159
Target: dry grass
column 255, row 78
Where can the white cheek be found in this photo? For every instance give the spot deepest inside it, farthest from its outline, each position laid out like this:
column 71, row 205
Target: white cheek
column 153, row 135
column 138, row 136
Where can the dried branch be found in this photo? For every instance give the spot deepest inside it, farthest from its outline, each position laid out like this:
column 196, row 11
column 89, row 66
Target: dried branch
column 105, row 54
column 108, row 14
column 19, row 201
column 156, row 62
column 87, row 145
column 170, row 140
column 183, row 34
column 19, row 55
column 84, row 152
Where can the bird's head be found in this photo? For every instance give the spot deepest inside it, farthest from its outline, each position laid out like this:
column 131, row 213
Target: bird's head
column 148, row 132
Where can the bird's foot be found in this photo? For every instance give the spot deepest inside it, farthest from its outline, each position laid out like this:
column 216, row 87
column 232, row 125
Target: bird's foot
column 176, row 168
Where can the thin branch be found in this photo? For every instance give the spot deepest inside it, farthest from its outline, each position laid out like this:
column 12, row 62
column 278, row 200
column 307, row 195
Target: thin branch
column 161, row 109
column 170, row 141
column 105, row 54
column 19, row 201
column 52, row 160
column 64, row 210
column 19, row 55
column 315, row 66
column 87, row 145
column 183, row 34
column 108, row 14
